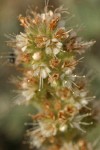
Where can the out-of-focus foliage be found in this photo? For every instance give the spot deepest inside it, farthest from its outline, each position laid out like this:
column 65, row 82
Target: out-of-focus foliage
column 84, row 16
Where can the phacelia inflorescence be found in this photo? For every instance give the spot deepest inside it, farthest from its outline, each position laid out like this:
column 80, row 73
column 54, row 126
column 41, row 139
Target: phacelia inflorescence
column 48, row 54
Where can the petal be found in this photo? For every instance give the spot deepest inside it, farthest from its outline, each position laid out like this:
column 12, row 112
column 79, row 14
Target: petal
column 54, row 40
column 59, row 45
column 48, row 50
column 50, row 13
column 43, row 16
column 47, row 43
column 43, row 73
column 47, row 70
column 56, row 51
column 36, row 72
column 35, row 66
column 24, row 48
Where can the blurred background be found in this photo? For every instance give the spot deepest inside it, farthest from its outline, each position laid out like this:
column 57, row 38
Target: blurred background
column 85, row 17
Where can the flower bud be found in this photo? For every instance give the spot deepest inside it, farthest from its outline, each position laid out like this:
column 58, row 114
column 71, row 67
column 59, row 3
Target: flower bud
column 37, row 56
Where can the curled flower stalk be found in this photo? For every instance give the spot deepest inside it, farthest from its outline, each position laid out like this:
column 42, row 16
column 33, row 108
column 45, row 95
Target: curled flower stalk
column 48, row 55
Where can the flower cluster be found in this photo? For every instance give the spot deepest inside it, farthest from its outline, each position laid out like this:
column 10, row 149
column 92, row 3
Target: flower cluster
column 47, row 53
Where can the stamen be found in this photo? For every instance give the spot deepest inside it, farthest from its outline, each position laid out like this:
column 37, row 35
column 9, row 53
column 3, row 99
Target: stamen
column 30, row 123
column 40, row 83
column 83, row 116
column 86, row 107
column 85, row 123
column 76, row 76
column 90, row 98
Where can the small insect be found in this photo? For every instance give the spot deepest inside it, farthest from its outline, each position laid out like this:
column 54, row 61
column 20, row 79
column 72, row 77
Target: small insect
column 8, row 58
column 12, row 58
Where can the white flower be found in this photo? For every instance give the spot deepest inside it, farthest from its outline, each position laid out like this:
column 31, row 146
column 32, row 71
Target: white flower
column 48, row 129
column 38, row 136
column 21, row 42
column 25, row 96
column 82, row 98
column 68, row 71
column 67, row 79
column 47, row 16
column 77, row 121
column 41, row 71
column 53, row 47
column 35, row 138
column 28, row 94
